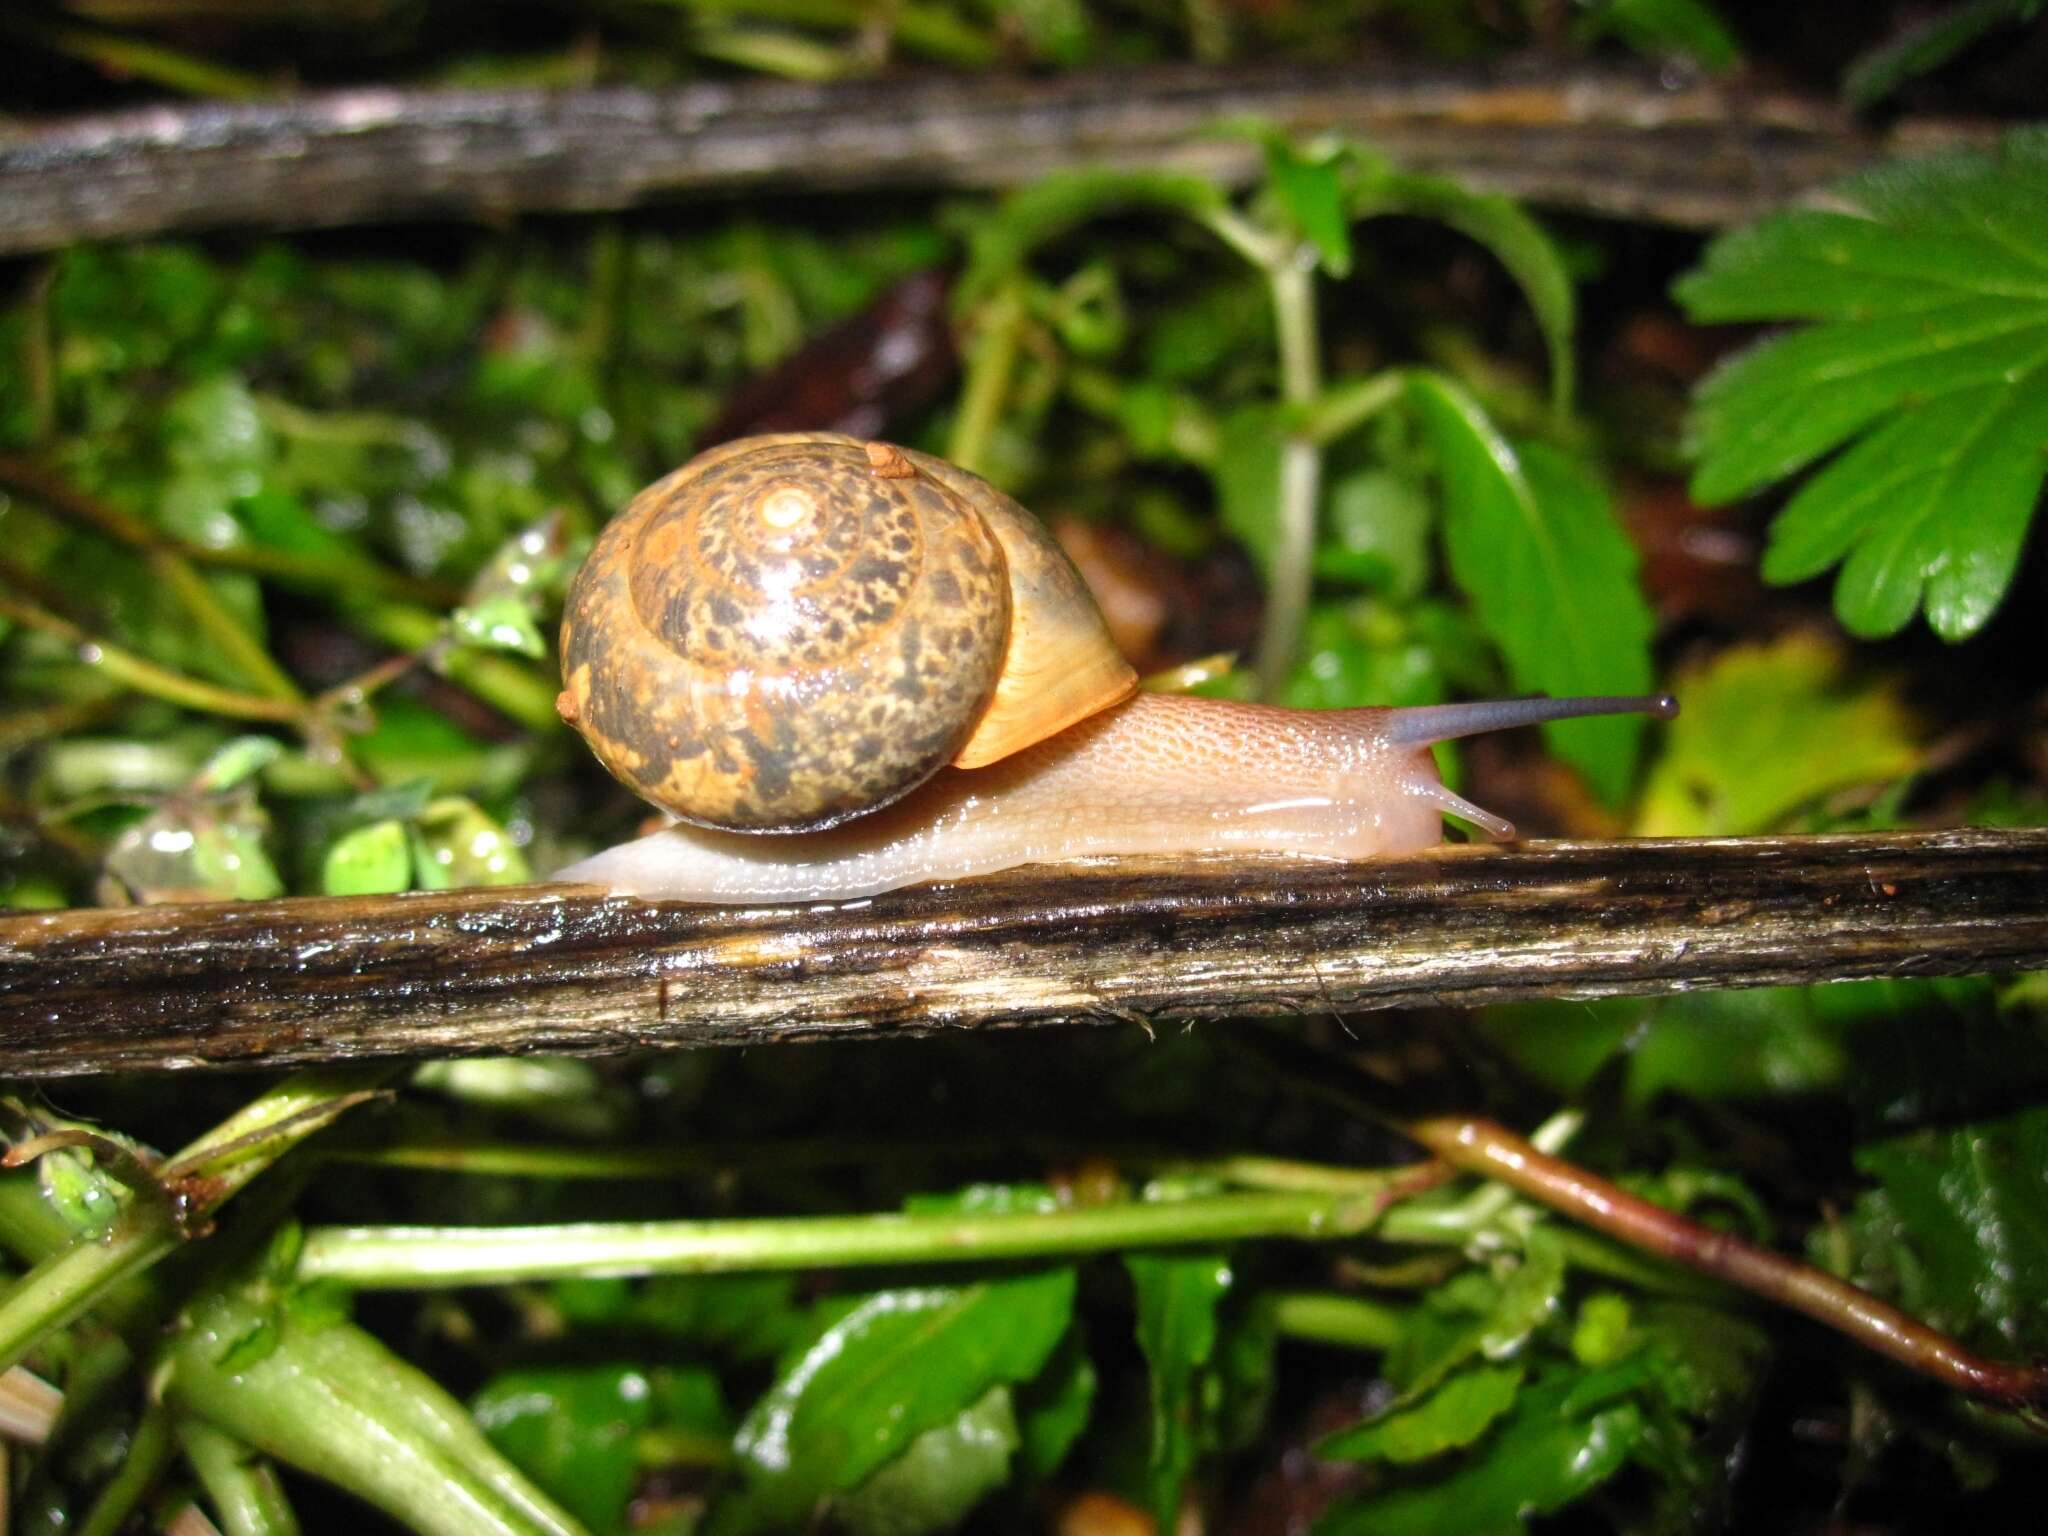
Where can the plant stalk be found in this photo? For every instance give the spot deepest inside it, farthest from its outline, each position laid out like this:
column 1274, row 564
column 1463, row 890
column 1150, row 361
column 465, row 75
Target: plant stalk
column 194, row 1184
column 146, row 676
column 386, row 1257
column 1291, row 281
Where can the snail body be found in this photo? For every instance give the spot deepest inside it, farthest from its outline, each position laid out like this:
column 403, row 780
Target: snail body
column 881, row 654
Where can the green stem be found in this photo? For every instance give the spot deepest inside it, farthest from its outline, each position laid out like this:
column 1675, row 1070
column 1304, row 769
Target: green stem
column 512, row 689
column 145, row 676
column 206, row 1174
column 331, row 1400
column 63, row 1286
column 39, row 355
column 1291, row 281
column 133, row 58
column 999, row 330
column 1345, row 407
column 575, row 1160
column 928, row 30
column 374, row 1257
column 1326, row 1318
column 1281, row 1173
column 240, row 1485
column 220, row 626
column 149, row 1453
column 1191, row 434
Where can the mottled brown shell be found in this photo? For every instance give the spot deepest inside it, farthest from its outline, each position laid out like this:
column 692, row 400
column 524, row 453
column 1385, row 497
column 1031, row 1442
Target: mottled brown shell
column 792, row 630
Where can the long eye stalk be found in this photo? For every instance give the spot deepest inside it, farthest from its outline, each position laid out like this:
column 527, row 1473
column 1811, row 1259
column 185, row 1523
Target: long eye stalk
column 1432, row 723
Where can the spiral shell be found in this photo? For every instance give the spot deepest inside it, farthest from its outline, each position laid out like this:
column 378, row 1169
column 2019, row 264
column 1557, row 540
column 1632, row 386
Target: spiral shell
column 792, row 630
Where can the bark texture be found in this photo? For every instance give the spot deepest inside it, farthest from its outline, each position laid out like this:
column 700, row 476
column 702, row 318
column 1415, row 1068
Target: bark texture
column 571, row 969
column 1612, row 141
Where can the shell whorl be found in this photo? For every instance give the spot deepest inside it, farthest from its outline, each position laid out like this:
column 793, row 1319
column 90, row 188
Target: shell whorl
column 786, row 632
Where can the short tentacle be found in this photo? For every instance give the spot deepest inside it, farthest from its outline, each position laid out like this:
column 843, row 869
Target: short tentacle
column 1498, row 828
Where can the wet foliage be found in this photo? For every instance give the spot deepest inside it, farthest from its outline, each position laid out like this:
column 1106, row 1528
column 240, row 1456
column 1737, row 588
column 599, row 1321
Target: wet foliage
column 286, row 529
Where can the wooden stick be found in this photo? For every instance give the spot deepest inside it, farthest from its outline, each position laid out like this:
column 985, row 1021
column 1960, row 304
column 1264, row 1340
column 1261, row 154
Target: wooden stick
column 568, row 968
column 1617, row 141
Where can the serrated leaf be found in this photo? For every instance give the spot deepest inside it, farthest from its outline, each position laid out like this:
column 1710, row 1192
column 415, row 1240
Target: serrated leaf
column 1929, row 366
column 1454, row 1415
column 1177, row 1297
column 946, row 1472
column 894, row 1365
column 1765, row 731
column 1534, row 542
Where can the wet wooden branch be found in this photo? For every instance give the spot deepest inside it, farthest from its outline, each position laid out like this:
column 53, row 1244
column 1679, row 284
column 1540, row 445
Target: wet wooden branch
column 1605, row 140
column 564, row 968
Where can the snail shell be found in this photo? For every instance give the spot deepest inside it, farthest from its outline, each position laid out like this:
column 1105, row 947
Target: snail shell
column 796, row 629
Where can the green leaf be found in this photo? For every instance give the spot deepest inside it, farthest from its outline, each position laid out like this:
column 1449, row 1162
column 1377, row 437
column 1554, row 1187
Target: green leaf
column 1177, row 1297
column 1089, row 312
column 1706, row 1363
column 456, row 843
column 1765, row 731
column 1477, row 1313
column 1927, row 45
column 1053, row 1407
column 1377, row 527
column 1243, row 1377
column 1540, row 1460
column 1247, row 471
column 1308, row 184
column 1534, row 542
column 1685, row 27
column 746, row 1317
column 1529, row 1294
column 1516, row 240
column 946, row 1471
column 375, row 860
column 500, row 623
column 190, row 850
column 1929, row 367
column 1770, row 1042
column 1454, row 1415
column 239, row 760
column 896, row 1364
column 1371, row 652
column 573, row 1431
column 1002, row 241
column 1604, row 1331
column 1966, row 1213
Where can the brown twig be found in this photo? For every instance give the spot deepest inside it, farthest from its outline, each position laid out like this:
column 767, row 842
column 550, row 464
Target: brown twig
column 572, row 969
column 1492, row 1151
column 1617, row 141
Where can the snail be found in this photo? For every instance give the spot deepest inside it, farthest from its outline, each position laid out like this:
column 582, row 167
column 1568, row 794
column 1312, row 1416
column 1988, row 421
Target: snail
column 892, row 665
